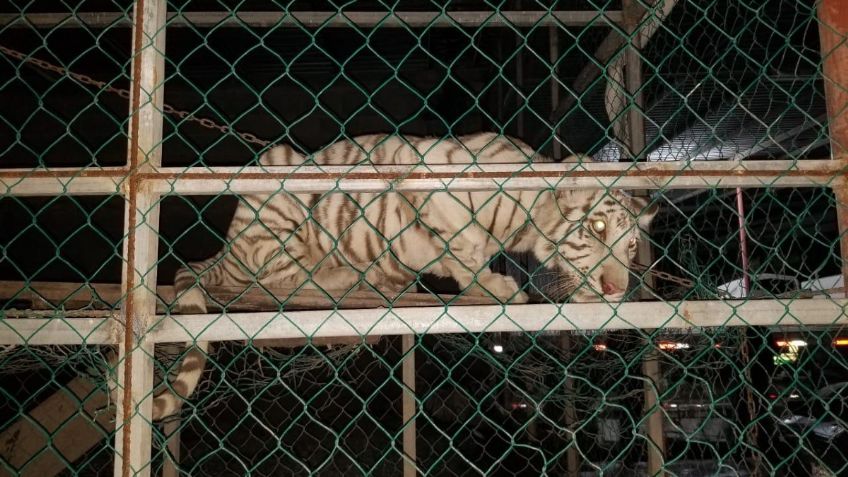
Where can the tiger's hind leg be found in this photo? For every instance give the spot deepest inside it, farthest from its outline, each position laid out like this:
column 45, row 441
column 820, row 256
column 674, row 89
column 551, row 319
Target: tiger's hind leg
column 190, row 299
column 189, row 284
column 270, row 261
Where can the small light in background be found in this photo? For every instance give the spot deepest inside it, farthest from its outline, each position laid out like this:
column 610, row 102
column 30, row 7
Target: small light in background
column 497, row 348
column 599, row 346
column 672, row 345
column 795, row 343
column 840, row 342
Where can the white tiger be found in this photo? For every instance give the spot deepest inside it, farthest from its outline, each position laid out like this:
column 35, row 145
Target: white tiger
column 337, row 241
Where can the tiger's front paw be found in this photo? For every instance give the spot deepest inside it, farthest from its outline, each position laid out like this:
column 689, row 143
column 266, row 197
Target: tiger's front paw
column 502, row 287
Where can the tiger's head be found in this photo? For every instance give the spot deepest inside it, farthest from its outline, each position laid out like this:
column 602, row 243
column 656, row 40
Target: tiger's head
column 591, row 238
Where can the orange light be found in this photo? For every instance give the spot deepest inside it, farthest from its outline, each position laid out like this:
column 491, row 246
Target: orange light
column 600, row 347
column 672, row 345
column 840, row 342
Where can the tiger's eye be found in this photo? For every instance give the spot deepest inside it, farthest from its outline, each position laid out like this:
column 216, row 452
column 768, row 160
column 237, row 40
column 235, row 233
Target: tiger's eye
column 599, row 226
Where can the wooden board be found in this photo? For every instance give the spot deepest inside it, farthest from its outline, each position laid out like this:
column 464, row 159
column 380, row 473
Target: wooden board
column 56, row 431
column 49, row 295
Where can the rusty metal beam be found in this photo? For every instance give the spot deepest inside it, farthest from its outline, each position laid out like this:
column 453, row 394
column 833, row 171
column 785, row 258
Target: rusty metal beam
column 133, row 440
column 823, row 311
column 833, row 32
column 493, row 177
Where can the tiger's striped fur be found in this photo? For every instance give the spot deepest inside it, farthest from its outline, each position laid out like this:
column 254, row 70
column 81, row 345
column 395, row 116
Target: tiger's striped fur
column 337, row 241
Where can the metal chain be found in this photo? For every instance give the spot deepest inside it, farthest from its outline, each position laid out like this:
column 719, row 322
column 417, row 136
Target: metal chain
column 684, row 282
column 124, row 93
column 247, row 137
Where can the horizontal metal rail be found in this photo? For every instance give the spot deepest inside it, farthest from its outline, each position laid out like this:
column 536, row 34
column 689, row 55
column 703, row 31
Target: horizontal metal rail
column 73, row 184
column 537, row 176
column 324, row 19
column 57, row 331
column 440, row 319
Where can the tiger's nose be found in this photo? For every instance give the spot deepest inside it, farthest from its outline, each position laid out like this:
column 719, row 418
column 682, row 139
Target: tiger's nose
column 609, row 288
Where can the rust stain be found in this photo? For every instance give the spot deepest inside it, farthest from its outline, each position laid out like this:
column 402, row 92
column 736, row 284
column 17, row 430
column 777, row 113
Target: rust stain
column 648, row 173
column 117, row 173
column 833, row 25
column 836, row 170
column 138, row 30
column 830, row 173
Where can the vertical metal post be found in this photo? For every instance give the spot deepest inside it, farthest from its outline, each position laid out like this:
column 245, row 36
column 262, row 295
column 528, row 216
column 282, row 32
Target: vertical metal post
column 170, row 466
column 652, row 371
column 635, row 142
column 141, row 218
column 519, row 82
column 656, row 446
column 833, row 33
column 553, row 48
column 572, row 462
column 409, row 432
column 635, row 118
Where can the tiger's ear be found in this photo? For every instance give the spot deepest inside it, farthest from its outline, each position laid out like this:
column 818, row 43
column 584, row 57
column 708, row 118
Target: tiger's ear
column 645, row 212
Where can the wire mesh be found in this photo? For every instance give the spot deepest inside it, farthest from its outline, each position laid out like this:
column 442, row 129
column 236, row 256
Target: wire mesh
column 719, row 80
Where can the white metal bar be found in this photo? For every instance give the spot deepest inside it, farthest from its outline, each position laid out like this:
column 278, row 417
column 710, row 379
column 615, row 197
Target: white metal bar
column 56, row 331
column 812, row 166
column 171, row 462
column 496, row 318
column 306, row 179
column 323, row 19
column 643, row 175
column 143, row 308
column 133, row 439
column 51, row 186
column 439, row 319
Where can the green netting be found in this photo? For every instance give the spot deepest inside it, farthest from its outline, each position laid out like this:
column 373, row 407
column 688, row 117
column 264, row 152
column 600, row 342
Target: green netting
column 720, row 80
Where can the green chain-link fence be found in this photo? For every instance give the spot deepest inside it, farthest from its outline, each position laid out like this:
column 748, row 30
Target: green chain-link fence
column 747, row 377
